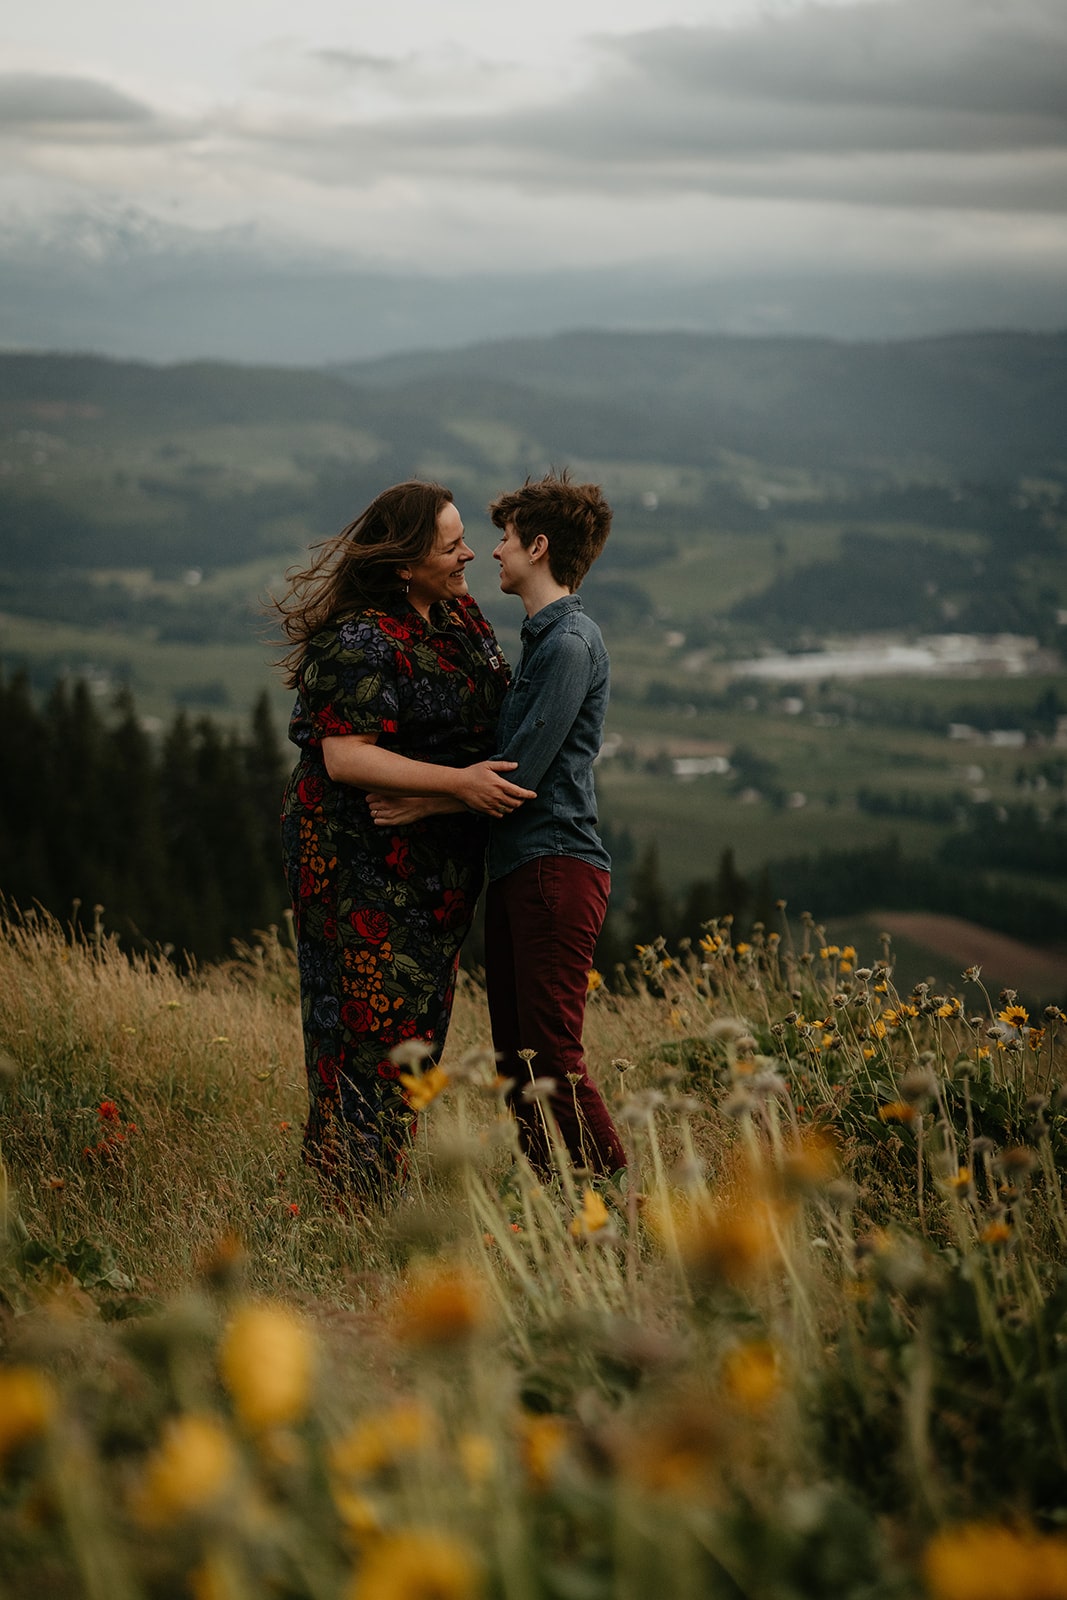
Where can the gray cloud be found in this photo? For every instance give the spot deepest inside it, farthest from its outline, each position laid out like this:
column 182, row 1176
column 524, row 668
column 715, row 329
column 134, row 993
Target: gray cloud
column 960, row 103
column 34, row 100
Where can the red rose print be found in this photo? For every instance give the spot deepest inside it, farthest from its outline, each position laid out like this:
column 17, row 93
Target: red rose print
column 310, row 788
column 370, row 925
column 329, row 928
column 399, row 857
column 394, row 628
column 327, row 1067
column 357, row 1016
column 388, row 1069
column 328, row 723
column 453, row 910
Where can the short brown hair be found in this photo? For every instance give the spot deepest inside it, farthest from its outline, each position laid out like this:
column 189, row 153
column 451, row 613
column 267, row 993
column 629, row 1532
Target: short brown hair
column 360, row 566
column 574, row 518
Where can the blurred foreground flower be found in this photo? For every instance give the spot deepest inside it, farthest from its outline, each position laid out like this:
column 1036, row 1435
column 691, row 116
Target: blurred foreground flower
column 733, row 1245
column 418, row 1564
column 752, row 1375
column 27, row 1405
column 420, row 1088
column 542, row 1442
column 193, row 1467
column 266, row 1361
column 440, row 1305
column 382, row 1439
column 592, row 1217
column 979, row 1561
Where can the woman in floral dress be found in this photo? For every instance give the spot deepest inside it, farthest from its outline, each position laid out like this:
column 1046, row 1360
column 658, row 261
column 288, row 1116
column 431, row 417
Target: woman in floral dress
column 399, row 682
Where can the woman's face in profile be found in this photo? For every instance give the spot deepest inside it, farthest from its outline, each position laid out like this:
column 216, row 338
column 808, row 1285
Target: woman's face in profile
column 442, row 574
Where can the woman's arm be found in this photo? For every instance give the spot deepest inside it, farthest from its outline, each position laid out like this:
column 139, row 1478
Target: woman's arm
column 397, row 810
column 357, row 758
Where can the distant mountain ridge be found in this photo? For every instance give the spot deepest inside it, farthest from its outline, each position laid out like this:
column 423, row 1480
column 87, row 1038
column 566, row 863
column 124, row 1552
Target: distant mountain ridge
column 971, row 403
column 973, row 406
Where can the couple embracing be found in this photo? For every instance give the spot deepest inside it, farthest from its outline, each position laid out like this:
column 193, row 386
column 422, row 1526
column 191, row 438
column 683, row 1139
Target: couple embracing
column 423, row 765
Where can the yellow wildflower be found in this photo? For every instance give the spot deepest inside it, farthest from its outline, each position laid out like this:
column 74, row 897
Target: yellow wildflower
column 418, row 1564
column 734, row 1245
column 477, row 1457
column 27, row 1406
column 266, row 1361
column 440, row 1306
column 879, row 1029
column 961, row 1181
column 995, row 1233
column 420, row 1088
column 981, row 1561
column 752, row 1375
column 677, row 1453
column 1014, row 1016
column 741, row 948
column 848, row 953
column 951, row 1008
column 194, row 1465
column 358, row 1514
column 542, row 1440
column 594, row 981
column 592, row 1217
column 710, row 944
column 1036, row 1038
column 896, row 1111
column 382, row 1439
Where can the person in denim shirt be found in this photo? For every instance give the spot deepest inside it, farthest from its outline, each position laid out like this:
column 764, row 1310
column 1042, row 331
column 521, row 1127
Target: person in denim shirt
column 549, row 873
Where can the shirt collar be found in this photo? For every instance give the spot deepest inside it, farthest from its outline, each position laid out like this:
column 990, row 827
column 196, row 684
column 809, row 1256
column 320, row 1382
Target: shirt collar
column 536, row 625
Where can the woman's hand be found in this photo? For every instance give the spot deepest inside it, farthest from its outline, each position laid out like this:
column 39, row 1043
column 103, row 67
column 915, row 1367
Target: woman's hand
column 484, row 788
column 397, row 810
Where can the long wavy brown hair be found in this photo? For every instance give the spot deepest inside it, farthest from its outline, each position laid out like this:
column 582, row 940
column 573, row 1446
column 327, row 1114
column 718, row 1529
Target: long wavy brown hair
column 360, row 566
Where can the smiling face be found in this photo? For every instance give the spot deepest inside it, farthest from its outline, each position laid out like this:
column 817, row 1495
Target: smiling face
column 514, row 560
column 442, row 574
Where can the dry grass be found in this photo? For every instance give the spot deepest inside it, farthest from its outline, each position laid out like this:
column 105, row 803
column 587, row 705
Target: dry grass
column 796, row 1341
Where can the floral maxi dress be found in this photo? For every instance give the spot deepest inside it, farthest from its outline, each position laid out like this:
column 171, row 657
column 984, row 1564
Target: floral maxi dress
column 381, row 912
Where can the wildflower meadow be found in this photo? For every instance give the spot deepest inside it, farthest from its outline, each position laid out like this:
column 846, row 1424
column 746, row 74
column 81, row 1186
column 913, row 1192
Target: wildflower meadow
column 811, row 1343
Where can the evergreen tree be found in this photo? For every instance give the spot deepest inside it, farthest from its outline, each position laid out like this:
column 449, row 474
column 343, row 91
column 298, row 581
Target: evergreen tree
column 648, row 911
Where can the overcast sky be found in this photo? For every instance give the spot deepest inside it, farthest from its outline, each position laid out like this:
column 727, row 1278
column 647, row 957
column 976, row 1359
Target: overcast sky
column 707, row 135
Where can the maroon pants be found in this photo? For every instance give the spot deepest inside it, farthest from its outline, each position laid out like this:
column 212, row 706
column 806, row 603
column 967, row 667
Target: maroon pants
column 541, row 926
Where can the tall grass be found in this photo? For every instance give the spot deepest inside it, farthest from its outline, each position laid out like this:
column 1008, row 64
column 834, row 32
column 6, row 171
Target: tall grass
column 811, row 1343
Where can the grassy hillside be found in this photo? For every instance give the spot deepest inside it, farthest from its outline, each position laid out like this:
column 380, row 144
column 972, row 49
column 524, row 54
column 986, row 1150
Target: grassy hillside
column 809, row 1344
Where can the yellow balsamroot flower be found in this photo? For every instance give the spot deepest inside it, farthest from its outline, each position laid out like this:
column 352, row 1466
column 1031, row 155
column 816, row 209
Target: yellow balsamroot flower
column 542, row 1443
column 477, row 1457
column 996, row 1233
column 27, row 1406
column 194, row 1466
column 734, row 1245
column 594, row 981
column 896, row 1111
column 980, row 1561
column 592, row 1217
column 679, row 1450
column 422, row 1087
column 752, row 1375
column 266, row 1361
column 439, row 1306
column 418, row 1564
column 358, row 1515
column 383, row 1439
column 1014, row 1016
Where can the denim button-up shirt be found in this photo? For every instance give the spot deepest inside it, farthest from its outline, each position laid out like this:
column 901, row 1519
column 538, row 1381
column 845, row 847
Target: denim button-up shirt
column 552, row 724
